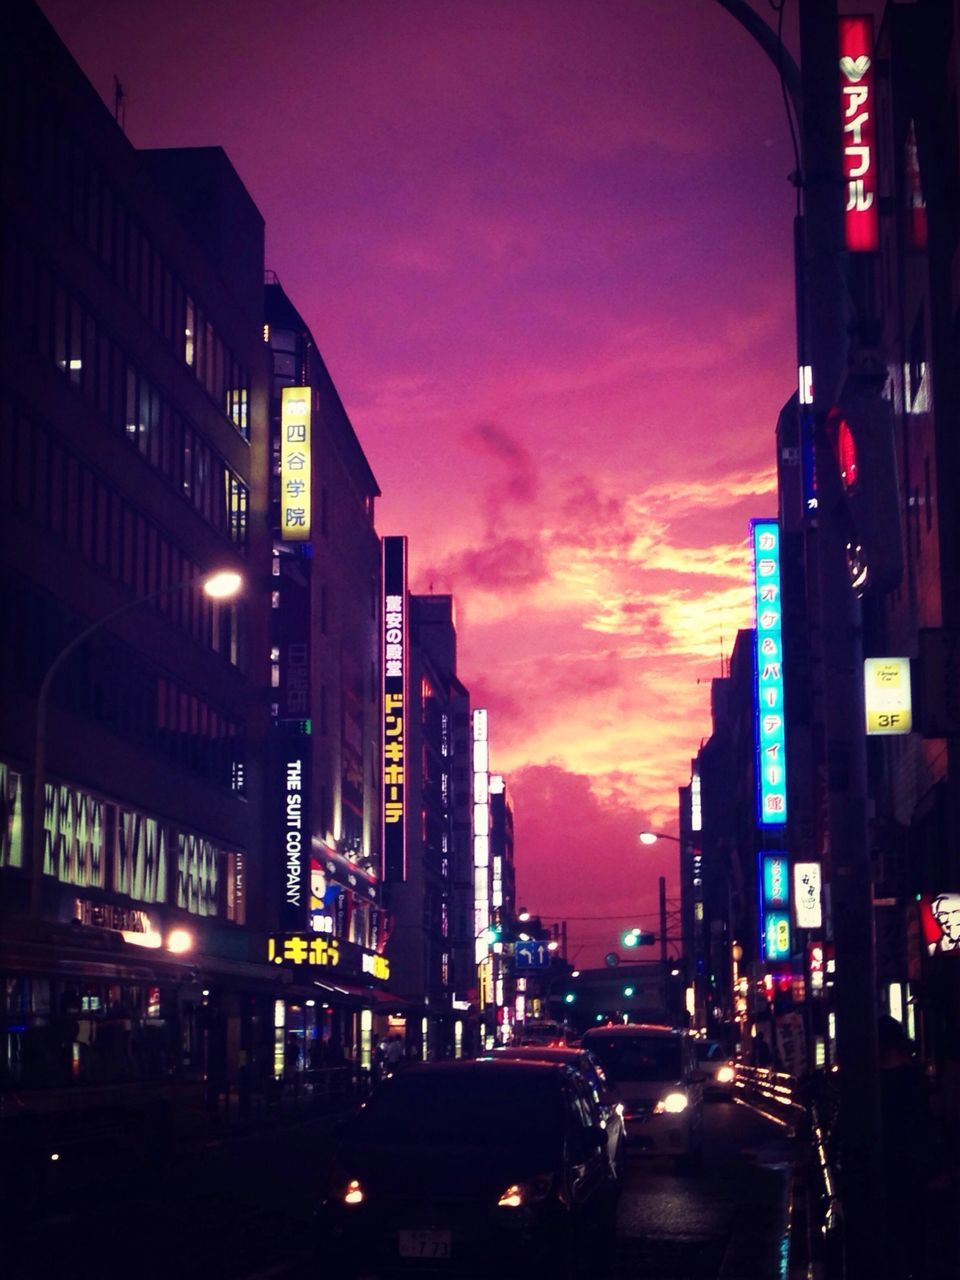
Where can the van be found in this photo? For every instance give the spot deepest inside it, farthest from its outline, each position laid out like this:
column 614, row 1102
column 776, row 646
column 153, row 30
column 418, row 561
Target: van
column 654, row 1072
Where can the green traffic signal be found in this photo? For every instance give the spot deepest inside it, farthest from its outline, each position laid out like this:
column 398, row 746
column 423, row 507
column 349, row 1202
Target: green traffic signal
column 637, row 937
column 569, row 998
column 629, row 991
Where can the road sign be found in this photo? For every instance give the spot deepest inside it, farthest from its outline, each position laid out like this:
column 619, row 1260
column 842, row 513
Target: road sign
column 534, row 954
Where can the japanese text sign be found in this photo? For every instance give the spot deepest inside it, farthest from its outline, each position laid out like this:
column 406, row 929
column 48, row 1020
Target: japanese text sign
column 858, row 123
column 807, row 905
column 394, row 707
column 295, row 464
column 776, row 880
column 768, row 690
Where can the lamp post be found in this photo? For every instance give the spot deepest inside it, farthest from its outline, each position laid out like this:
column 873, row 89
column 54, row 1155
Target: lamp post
column 219, row 585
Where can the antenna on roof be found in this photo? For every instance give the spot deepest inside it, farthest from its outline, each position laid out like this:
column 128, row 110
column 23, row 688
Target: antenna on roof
column 119, row 104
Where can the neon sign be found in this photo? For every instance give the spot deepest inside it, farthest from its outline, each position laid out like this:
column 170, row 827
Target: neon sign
column 295, row 464
column 858, row 121
column 394, row 703
column 768, row 689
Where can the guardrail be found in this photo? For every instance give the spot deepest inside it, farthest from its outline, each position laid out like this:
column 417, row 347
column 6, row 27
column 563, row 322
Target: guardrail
column 804, row 1108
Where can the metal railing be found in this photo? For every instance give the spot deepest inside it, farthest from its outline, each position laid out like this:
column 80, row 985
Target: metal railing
column 806, row 1110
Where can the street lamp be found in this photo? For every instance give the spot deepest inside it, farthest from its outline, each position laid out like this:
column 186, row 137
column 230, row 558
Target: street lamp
column 221, row 584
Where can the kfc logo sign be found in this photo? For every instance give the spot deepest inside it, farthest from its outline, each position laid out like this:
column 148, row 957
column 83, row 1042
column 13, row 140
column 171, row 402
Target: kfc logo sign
column 858, row 120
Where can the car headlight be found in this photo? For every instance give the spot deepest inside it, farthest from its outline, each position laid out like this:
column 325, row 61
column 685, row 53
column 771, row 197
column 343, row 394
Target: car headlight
column 520, row 1194
column 672, row 1104
column 726, row 1075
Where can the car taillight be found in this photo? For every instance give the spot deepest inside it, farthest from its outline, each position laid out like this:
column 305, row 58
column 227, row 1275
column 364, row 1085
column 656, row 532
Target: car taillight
column 519, row 1194
column 353, row 1193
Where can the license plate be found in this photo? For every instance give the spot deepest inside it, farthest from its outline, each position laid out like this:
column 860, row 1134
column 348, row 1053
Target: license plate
column 424, row 1244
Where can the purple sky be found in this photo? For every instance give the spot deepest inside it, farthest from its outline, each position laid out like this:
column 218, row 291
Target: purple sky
column 545, row 248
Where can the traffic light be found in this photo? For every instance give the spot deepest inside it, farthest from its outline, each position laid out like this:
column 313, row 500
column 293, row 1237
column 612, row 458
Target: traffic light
column 569, row 997
column 629, row 991
column 637, row 938
column 861, row 430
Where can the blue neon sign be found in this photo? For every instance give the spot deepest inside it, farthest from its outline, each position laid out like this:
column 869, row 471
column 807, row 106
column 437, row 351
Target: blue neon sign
column 776, row 880
column 768, row 687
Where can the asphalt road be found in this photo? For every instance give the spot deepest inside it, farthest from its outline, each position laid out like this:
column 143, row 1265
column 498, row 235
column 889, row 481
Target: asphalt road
column 241, row 1209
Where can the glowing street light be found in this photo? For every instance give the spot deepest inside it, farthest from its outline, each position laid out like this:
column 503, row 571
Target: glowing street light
column 179, row 941
column 220, row 584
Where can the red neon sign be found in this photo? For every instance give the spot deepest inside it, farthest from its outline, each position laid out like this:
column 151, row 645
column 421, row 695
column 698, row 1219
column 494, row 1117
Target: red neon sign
column 858, row 121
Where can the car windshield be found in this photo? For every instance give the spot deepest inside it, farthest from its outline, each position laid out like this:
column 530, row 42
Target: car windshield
column 476, row 1109
column 638, row 1058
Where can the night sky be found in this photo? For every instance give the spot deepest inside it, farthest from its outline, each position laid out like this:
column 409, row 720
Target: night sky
column 545, row 249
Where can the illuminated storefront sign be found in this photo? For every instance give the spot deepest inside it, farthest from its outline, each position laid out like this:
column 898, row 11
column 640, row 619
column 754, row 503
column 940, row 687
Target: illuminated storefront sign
column 886, row 695
column 768, row 691
column 807, row 903
column 295, row 464
column 858, row 121
column 308, row 951
column 776, row 880
column 696, row 811
column 940, row 921
column 775, row 905
column 481, row 830
column 394, row 705
column 816, row 964
column 776, row 935
column 294, row 786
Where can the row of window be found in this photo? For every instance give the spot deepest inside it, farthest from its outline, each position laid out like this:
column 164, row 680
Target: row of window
column 64, row 331
column 107, row 683
column 71, row 501
column 53, row 157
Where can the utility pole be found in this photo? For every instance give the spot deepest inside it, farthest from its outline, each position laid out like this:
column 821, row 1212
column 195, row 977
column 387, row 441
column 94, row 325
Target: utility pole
column 835, row 621
column 834, row 614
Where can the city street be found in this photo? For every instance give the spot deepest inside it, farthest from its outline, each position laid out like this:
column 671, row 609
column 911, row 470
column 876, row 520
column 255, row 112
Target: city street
column 243, row 1207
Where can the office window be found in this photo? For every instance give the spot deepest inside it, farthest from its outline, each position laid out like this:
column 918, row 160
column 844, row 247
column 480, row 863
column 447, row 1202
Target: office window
column 190, row 332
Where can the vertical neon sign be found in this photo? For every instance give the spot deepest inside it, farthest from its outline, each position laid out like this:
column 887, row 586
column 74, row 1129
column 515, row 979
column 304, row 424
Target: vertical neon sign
column 394, row 708
column 481, row 830
column 858, row 121
column 768, row 688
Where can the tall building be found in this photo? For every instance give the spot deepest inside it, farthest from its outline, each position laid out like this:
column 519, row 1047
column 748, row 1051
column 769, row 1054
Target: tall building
column 134, row 400
column 324, row 857
column 427, row 895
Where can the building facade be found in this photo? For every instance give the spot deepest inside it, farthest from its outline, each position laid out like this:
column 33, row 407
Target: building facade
column 324, row 855
column 134, row 400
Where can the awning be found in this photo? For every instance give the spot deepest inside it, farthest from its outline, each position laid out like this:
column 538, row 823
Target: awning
column 371, row 997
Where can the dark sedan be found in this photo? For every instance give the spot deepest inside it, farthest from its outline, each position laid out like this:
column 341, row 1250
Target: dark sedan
column 472, row 1167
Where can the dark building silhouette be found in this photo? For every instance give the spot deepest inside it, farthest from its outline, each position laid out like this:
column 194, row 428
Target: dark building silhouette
column 134, row 400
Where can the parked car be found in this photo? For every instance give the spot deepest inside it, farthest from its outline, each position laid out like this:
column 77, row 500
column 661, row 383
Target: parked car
column 472, row 1165
column 655, row 1075
column 719, row 1069
column 582, row 1060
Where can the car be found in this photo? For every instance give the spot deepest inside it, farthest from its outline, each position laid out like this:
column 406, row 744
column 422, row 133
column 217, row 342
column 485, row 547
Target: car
column 654, row 1073
column 719, row 1068
column 461, row 1165
column 543, row 1033
column 582, row 1060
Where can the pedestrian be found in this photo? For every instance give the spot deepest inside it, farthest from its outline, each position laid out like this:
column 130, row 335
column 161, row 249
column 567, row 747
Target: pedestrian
column 393, row 1054
column 908, row 1155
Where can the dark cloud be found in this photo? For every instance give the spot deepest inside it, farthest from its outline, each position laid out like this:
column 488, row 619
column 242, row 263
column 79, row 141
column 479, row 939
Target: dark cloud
column 522, row 483
column 506, row 564
column 591, row 519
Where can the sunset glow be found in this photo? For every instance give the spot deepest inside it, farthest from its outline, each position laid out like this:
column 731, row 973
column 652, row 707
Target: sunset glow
column 546, row 250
